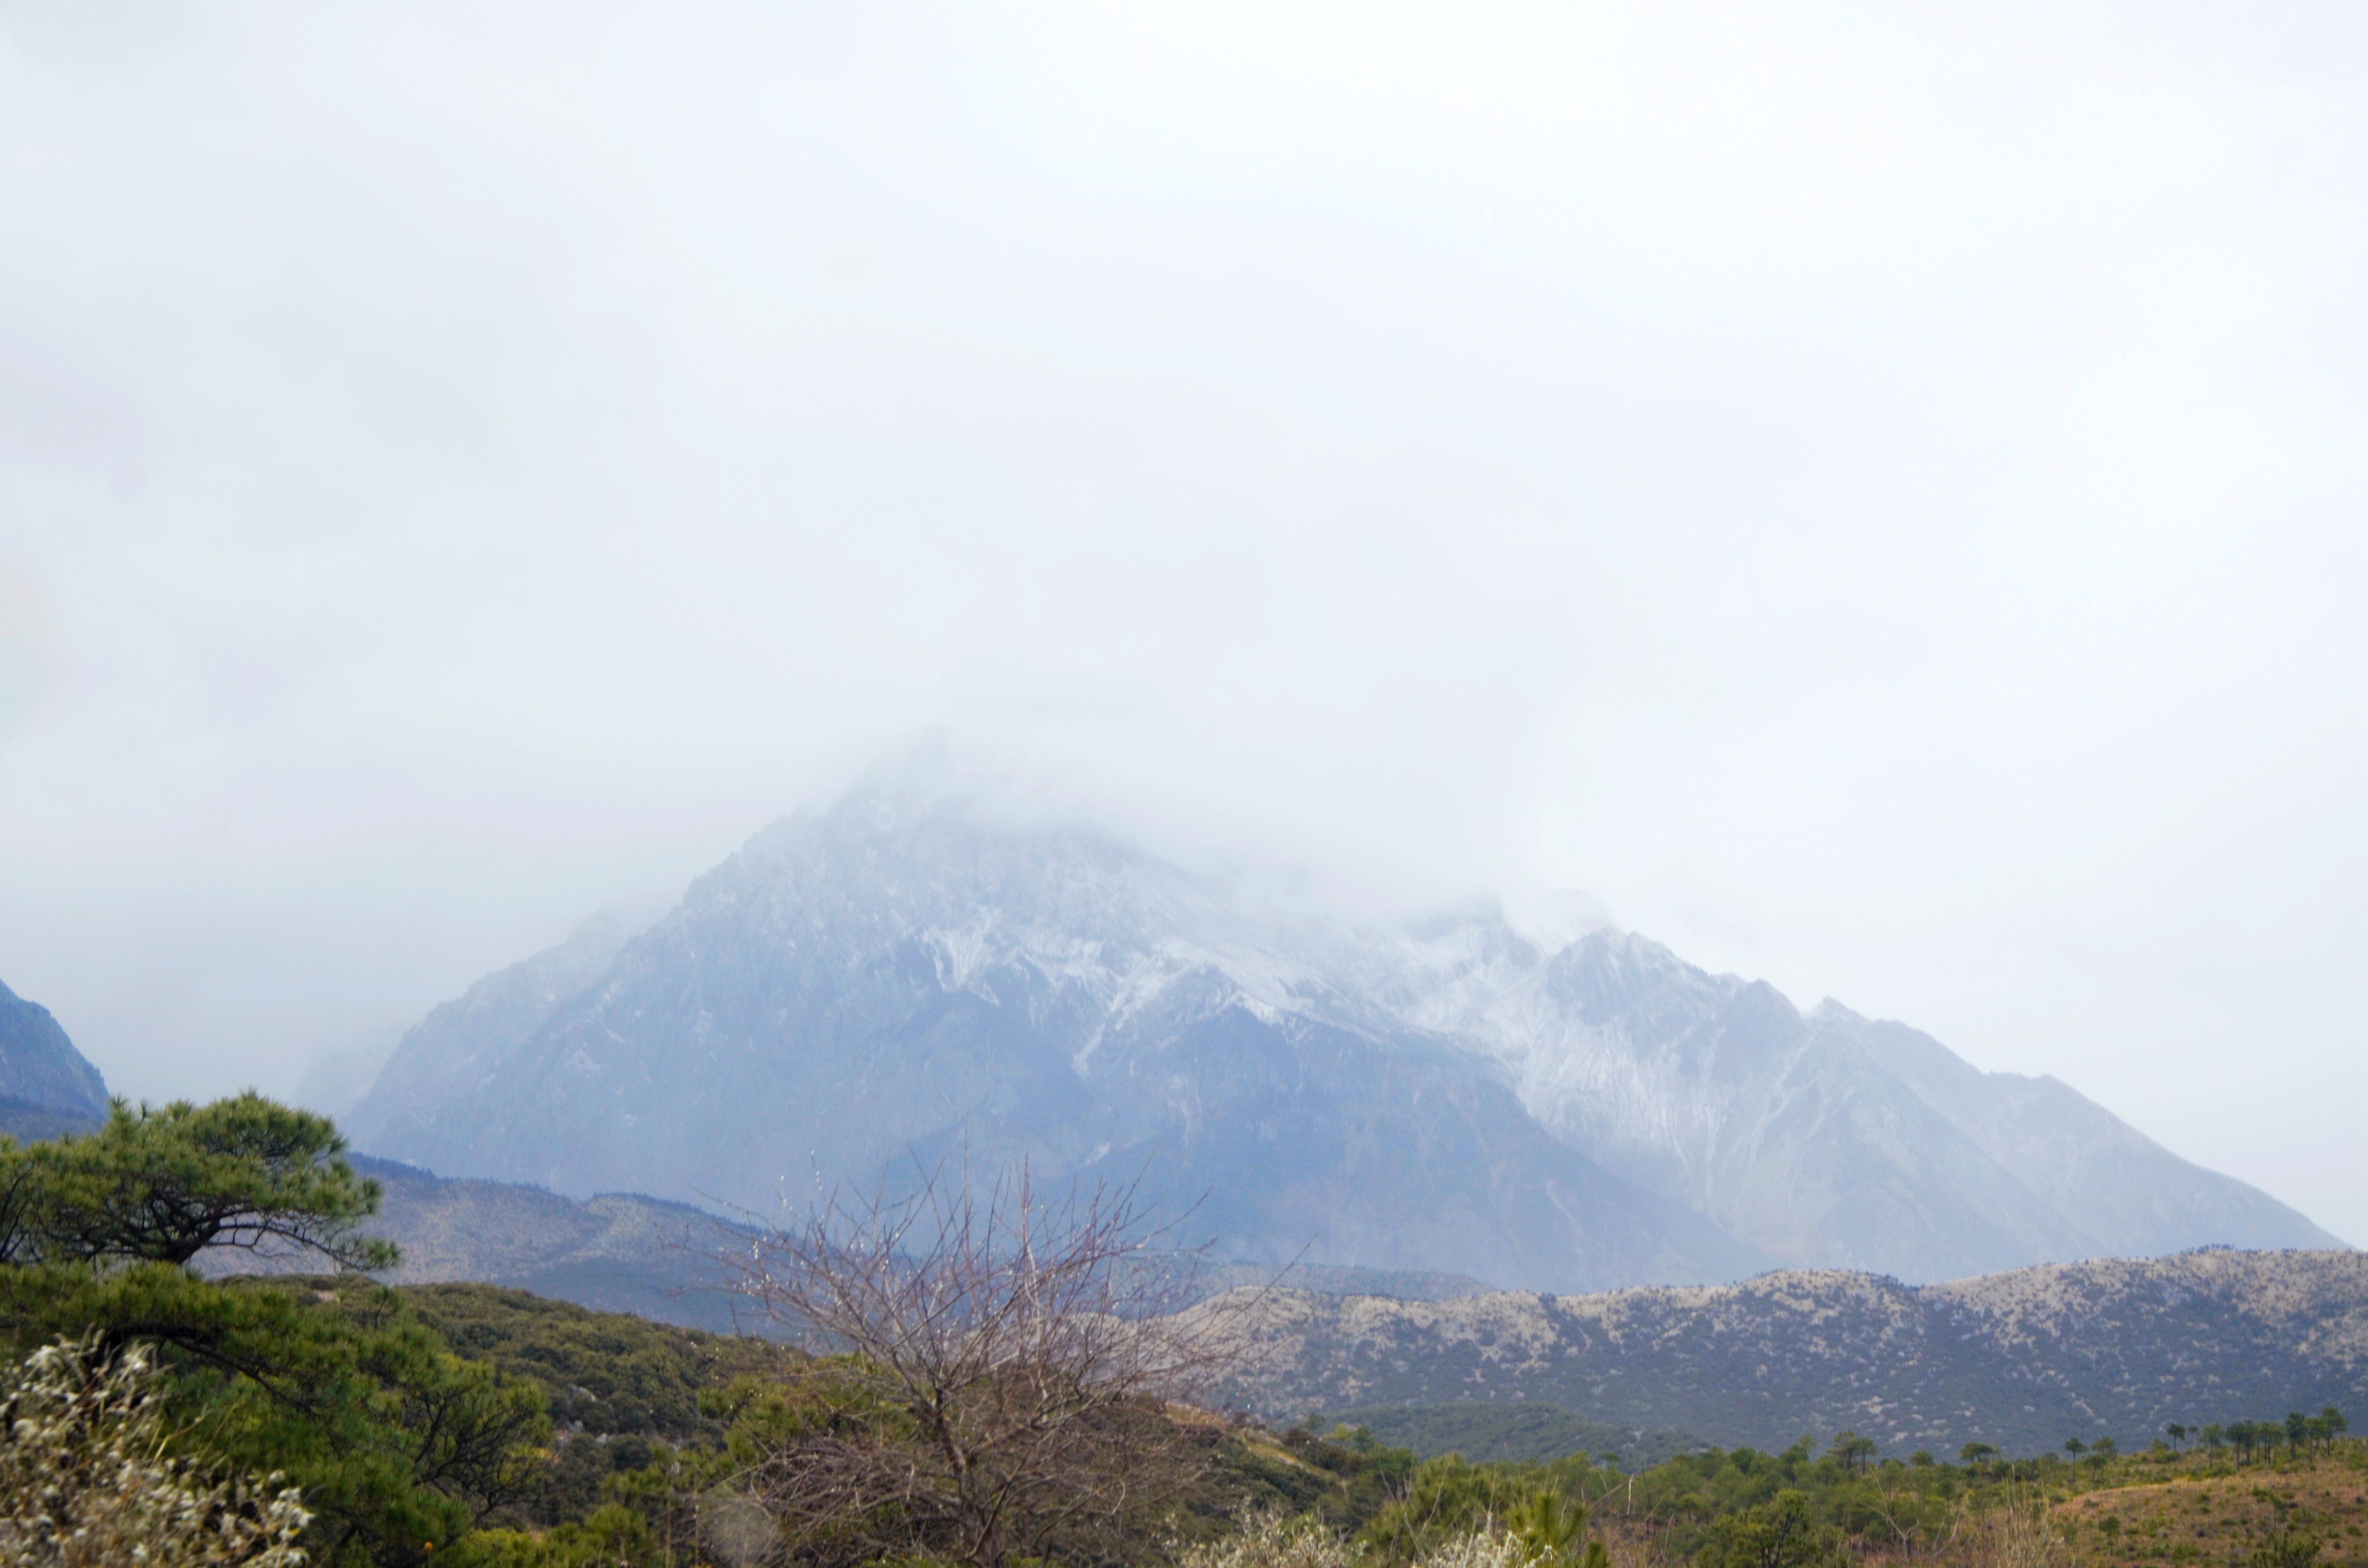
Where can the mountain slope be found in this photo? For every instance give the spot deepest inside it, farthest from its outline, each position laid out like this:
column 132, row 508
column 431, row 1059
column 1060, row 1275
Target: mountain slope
column 626, row 1252
column 2134, row 1197
column 46, row 1086
column 2020, row 1360
column 1828, row 1139
column 890, row 983
column 902, row 978
column 452, row 1056
column 617, row 1252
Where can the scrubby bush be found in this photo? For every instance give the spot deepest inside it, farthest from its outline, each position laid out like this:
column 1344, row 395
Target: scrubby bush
column 1780, row 1533
column 2285, row 1548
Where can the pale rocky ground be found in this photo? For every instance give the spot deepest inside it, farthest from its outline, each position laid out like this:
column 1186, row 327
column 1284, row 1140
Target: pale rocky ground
column 2021, row 1359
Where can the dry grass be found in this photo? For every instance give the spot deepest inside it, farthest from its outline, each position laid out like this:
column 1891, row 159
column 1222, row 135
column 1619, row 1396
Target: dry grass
column 2213, row 1521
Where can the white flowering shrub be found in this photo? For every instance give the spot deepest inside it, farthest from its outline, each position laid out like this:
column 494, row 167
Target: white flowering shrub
column 86, row 1481
column 1481, row 1549
column 1264, row 1539
column 1268, row 1540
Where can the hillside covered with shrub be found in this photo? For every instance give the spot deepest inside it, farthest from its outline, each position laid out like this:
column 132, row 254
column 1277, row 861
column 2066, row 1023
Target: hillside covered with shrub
column 958, row 1377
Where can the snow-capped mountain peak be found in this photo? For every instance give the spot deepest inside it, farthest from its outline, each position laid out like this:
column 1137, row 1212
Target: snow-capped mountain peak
column 907, row 972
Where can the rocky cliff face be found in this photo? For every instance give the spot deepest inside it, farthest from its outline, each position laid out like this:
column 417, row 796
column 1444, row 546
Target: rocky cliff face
column 46, row 1086
column 900, row 980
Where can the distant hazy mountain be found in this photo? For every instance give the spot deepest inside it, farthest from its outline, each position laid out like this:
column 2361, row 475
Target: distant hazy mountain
column 896, row 979
column 620, row 1252
column 2020, row 1360
column 46, row 1086
column 623, row 1252
column 1822, row 1138
column 455, row 1056
column 902, row 977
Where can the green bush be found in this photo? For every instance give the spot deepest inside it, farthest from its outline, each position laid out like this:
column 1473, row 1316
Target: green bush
column 1780, row 1533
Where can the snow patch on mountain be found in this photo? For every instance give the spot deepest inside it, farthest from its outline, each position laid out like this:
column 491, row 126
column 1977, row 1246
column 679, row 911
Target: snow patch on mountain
column 903, row 969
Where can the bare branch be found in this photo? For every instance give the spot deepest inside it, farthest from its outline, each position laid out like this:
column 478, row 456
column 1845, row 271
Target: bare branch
column 992, row 1375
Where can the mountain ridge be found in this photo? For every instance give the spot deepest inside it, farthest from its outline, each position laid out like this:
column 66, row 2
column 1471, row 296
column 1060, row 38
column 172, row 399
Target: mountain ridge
column 2020, row 1359
column 46, row 1086
column 902, row 978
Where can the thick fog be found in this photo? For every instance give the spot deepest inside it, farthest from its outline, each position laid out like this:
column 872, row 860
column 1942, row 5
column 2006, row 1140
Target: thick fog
column 1871, row 494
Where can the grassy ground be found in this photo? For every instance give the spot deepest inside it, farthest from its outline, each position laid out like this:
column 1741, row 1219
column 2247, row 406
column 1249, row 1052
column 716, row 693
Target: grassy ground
column 2148, row 1510
column 2215, row 1514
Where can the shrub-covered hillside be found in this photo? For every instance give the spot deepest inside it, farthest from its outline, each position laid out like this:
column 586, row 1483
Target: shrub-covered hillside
column 975, row 1383
column 1516, row 1430
column 2113, row 1347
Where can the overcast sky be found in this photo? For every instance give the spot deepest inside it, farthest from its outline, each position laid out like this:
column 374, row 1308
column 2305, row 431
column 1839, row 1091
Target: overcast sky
column 1873, row 493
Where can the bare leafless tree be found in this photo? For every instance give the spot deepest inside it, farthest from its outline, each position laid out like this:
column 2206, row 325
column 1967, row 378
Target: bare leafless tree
column 992, row 1381
column 2015, row 1534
